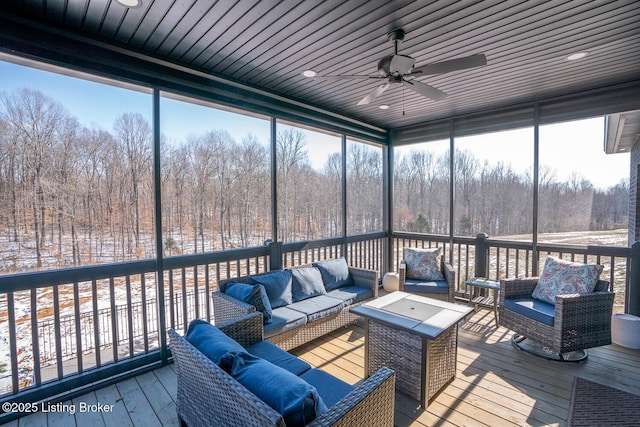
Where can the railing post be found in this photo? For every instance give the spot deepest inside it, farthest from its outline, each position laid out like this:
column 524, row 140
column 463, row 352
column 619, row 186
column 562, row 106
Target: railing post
column 275, row 255
column 482, row 253
column 633, row 291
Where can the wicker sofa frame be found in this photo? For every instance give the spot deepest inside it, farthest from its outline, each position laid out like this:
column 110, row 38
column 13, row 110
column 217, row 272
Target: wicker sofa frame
column 208, row 396
column 581, row 321
column 226, row 308
column 449, row 275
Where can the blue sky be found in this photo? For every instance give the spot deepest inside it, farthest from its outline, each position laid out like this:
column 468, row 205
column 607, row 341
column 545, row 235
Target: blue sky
column 567, row 148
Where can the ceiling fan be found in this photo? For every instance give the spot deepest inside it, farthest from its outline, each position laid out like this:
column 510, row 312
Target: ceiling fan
column 398, row 69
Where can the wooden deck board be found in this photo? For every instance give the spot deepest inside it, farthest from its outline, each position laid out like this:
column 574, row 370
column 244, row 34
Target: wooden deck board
column 496, row 384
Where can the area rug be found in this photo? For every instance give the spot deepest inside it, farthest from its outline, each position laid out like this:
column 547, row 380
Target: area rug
column 594, row 404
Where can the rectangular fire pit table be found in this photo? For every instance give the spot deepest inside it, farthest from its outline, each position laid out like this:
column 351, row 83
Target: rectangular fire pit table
column 415, row 336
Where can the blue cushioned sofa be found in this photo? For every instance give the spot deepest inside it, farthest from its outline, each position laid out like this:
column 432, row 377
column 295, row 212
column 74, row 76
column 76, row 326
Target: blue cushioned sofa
column 302, row 303
column 229, row 376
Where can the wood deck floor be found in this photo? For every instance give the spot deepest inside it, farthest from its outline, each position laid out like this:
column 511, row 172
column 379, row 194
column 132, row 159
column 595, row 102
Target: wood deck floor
column 496, row 385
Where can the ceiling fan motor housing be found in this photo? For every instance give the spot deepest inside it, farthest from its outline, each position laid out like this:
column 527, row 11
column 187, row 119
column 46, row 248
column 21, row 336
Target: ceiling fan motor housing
column 395, row 65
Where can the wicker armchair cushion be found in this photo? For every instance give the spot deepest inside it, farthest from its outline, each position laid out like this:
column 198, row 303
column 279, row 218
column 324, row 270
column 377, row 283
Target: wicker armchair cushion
column 563, row 277
column 211, row 341
column 295, row 399
column 306, row 283
column 274, row 354
column 532, row 308
column 330, row 388
column 423, row 264
column 278, row 286
column 255, row 295
column 431, row 287
column 335, row 273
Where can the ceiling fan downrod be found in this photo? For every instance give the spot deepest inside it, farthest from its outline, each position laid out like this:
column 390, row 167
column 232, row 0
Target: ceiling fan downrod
column 396, row 36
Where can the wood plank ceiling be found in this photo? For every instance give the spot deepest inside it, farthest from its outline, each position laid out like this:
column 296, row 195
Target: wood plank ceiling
column 268, row 44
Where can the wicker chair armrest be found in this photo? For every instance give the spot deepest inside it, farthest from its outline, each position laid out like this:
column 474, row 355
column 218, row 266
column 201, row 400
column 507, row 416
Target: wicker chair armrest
column 207, row 395
column 226, row 307
column 585, row 305
column 450, row 276
column 366, row 278
column 370, row 403
column 246, row 330
column 402, row 275
column 517, row 287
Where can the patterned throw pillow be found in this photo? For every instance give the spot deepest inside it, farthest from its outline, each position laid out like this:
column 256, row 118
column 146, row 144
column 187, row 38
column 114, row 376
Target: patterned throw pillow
column 563, row 277
column 423, row 264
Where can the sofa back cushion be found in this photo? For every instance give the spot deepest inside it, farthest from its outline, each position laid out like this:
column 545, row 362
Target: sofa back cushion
column 335, row 273
column 296, row 400
column 278, row 287
column 306, row 282
column 423, row 264
column 211, row 341
column 564, row 277
column 253, row 294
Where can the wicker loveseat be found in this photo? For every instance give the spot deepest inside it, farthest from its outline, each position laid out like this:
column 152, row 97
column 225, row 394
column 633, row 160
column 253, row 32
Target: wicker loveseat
column 213, row 394
column 303, row 320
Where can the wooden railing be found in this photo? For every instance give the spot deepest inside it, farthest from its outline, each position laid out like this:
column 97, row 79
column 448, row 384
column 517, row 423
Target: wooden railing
column 497, row 259
column 107, row 317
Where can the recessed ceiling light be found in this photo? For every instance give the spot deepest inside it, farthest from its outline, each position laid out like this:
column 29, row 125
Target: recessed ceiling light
column 383, row 106
column 309, row 73
column 130, row 3
column 577, row 55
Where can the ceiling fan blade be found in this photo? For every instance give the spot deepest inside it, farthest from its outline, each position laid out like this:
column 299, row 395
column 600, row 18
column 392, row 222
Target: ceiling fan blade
column 452, row 65
column 425, row 90
column 353, row 77
column 374, row 94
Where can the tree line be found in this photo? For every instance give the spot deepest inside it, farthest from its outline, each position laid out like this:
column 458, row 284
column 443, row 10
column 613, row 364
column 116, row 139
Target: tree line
column 495, row 199
column 84, row 195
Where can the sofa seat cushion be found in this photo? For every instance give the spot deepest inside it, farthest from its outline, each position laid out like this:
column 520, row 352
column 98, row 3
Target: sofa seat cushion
column 532, row 308
column 351, row 294
column 211, row 341
column 284, row 319
column 330, row 388
column 274, row 354
column 317, row 307
column 430, row 287
column 295, row 399
column 255, row 295
column 306, row 283
column 335, row 273
column 277, row 285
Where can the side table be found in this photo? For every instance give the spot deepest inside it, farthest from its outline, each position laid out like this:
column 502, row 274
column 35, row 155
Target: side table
column 485, row 301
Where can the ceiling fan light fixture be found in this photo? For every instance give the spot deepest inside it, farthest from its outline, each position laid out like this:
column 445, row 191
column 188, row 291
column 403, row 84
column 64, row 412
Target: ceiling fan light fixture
column 309, row 73
column 578, row 55
column 130, row 3
column 383, row 106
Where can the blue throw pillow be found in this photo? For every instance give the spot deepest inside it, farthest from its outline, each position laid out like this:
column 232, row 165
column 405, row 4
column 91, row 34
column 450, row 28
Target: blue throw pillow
column 254, row 295
column 278, row 287
column 211, row 341
column 335, row 273
column 296, row 400
column 306, row 283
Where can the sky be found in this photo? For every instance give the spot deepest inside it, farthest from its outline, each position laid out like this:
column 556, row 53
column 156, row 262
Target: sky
column 566, row 148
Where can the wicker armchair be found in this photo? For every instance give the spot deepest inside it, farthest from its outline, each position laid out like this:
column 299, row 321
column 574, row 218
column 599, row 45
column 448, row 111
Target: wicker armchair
column 208, row 396
column 426, row 288
column 580, row 321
